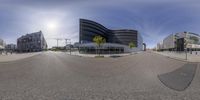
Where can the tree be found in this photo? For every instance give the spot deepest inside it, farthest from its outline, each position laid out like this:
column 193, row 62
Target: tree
column 132, row 45
column 99, row 40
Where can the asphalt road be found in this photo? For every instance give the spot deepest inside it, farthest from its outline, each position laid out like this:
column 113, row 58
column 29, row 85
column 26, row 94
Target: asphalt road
column 58, row 76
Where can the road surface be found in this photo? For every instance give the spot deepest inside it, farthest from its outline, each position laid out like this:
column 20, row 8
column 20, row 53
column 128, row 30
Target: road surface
column 58, row 76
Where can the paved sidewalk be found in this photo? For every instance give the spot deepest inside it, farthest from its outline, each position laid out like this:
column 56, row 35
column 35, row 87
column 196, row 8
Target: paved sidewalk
column 181, row 56
column 13, row 57
column 105, row 55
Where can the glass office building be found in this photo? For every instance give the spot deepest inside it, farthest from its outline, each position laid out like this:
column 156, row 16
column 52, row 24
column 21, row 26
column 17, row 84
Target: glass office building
column 117, row 41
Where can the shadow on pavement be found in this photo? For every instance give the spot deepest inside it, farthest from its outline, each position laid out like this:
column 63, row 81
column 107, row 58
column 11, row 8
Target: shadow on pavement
column 115, row 56
column 180, row 78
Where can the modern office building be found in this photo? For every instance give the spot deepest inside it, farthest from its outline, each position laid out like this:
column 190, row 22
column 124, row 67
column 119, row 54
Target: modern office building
column 169, row 42
column 117, row 41
column 181, row 41
column 32, row 42
column 11, row 47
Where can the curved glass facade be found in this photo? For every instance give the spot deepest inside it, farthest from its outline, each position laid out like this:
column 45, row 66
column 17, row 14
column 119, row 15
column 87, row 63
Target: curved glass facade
column 89, row 29
column 124, row 36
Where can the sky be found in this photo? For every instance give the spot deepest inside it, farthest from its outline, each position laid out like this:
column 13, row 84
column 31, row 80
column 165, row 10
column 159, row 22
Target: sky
column 154, row 19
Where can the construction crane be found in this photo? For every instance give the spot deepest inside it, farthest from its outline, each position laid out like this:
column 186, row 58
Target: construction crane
column 66, row 42
column 60, row 39
column 57, row 39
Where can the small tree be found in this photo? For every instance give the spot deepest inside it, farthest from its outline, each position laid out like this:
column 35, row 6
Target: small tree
column 132, row 45
column 99, row 40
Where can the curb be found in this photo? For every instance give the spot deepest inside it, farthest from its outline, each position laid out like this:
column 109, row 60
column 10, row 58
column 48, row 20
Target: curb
column 176, row 58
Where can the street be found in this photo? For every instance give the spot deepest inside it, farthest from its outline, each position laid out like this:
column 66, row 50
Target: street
column 59, row 76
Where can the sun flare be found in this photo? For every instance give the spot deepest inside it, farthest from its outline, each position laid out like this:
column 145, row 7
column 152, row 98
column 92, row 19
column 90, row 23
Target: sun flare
column 52, row 26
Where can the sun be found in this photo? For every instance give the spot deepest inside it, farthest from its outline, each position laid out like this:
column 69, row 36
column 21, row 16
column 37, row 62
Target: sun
column 52, row 26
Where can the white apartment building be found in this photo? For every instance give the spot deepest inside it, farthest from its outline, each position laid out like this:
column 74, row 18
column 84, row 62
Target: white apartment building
column 180, row 41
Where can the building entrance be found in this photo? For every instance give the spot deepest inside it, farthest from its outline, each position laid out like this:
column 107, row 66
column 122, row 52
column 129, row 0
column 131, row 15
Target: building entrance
column 180, row 44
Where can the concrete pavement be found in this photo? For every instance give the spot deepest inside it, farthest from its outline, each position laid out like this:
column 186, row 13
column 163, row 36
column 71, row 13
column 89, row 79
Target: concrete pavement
column 59, row 76
column 181, row 55
column 16, row 56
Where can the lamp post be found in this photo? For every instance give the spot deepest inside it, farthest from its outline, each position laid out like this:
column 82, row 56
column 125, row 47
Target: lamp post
column 185, row 53
column 69, row 44
column 70, row 48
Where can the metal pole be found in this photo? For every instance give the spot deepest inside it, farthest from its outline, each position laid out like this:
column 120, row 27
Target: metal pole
column 109, row 48
column 66, row 44
column 186, row 54
column 69, row 44
column 57, row 42
column 70, row 48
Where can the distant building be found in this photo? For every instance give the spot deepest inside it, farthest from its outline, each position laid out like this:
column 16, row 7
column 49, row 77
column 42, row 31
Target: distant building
column 159, row 46
column 76, row 45
column 32, row 42
column 180, row 42
column 60, row 48
column 11, row 47
column 169, row 42
column 2, row 44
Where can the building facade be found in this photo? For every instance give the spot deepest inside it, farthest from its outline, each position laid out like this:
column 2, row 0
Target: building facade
column 11, row 47
column 2, row 44
column 115, row 39
column 169, row 42
column 32, row 42
column 181, row 41
column 159, row 46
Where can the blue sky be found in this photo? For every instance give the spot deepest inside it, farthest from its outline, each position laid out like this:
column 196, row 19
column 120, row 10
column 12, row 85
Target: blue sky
column 154, row 19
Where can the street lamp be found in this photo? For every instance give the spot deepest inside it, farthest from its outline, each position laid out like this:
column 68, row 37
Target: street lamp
column 69, row 44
